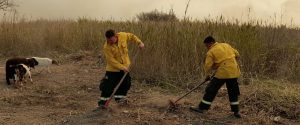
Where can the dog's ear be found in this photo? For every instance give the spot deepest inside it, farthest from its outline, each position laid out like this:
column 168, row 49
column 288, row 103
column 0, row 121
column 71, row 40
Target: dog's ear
column 20, row 67
column 55, row 62
column 32, row 62
column 35, row 62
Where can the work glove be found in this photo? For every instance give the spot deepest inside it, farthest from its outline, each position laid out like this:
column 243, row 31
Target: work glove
column 125, row 69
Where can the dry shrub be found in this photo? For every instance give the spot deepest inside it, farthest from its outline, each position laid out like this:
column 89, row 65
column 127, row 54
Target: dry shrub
column 274, row 98
column 157, row 16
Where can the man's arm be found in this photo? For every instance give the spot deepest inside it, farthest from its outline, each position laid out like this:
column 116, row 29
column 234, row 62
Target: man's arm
column 236, row 53
column 208, row 64
column 134, row 38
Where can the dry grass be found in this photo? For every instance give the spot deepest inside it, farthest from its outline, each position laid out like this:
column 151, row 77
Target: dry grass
column 69, row 95
column 174, row 52
column 276, row 98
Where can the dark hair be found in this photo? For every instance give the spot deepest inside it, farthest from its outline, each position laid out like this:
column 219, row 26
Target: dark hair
column 209, row 39
column 109, row 33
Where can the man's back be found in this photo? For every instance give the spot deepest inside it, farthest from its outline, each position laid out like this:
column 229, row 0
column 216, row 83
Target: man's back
column 223, row 58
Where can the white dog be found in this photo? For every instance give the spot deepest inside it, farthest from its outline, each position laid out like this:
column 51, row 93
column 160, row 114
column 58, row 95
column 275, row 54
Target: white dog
column 45, row 62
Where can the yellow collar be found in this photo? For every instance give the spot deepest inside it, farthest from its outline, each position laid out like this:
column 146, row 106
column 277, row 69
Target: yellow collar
column 213, row 45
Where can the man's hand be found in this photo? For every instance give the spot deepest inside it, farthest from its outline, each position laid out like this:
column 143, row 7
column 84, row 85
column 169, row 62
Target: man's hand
column 141, row 45
column 125, row 69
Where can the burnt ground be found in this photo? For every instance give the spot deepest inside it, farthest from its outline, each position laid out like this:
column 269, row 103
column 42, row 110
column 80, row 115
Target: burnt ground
column 69, row 94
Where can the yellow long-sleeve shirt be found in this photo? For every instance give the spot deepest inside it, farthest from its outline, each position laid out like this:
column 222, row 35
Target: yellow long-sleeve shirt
column 116, row 55
column 222, row 58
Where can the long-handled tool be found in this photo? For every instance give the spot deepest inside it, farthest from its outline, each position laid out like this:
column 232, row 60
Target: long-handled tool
column 120, row 82
column 173, row 104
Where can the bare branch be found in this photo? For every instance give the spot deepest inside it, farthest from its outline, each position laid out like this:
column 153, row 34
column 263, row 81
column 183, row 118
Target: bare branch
column 186, row 9
column 6, row 5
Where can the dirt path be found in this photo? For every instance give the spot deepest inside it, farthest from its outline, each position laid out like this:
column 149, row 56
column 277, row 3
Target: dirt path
column 68, row 95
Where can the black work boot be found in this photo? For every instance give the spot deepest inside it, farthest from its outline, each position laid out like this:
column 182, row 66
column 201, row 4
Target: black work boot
column 237, row 115
column 101, row 103
column 101, row 106
column 197, row 109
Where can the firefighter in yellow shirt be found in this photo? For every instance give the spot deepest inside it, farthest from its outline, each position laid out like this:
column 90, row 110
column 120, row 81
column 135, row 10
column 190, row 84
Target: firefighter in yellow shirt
column 221, row 58
column 117, row 63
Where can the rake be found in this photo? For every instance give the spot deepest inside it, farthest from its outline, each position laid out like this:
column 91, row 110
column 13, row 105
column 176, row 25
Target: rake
column 174, row 105
column 120, row 82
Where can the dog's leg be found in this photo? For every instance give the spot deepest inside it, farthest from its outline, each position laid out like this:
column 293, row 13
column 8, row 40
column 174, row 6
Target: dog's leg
column 16, row 78
column 7, row 79
column 16, row 81
column 22, row 80
column 29, row 76
column 16, row 84
column 48, row 69
column 39, row 71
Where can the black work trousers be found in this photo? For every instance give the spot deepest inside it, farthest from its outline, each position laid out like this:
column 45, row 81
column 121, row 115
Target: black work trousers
column 108, row 84
column 213, row 88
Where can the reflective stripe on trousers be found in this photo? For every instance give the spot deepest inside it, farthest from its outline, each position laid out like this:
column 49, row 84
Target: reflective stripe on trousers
column 104, row 98
column 234, row 103
column 206, row 102
column 120, row 96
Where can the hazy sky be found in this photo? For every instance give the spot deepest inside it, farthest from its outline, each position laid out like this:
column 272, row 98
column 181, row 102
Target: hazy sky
column 127, row 9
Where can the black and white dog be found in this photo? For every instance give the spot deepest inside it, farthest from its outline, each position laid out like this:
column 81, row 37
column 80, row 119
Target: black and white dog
column 11, row 65
column 31, row 63
column 22, row 73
